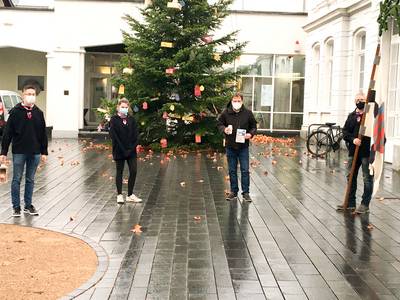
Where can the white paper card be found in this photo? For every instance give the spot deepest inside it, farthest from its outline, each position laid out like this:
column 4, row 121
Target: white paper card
column 240, row 136
column 266, row 95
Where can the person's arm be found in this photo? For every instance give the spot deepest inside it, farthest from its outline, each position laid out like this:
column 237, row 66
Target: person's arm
column 252, row 125
column 44, row 140
column 221, row 122
column 8, row 134
column 135, row 133
column 348, row 129
column 114, row 135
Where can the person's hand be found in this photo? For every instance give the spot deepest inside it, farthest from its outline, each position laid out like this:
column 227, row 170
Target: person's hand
column 3, row 159
column 44, row 158
column 228, row 130
column 357, row 142
column 248, row 136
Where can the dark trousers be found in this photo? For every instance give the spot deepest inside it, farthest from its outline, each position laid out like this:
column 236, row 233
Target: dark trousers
column 242, row 156
column 367, row 178
column 132, row 164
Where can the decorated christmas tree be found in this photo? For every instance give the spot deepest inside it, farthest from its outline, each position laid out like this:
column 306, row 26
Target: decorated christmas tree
column 177, row 73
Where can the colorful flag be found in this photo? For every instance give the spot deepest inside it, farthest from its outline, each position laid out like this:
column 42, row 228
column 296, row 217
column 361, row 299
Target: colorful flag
column 375, row 129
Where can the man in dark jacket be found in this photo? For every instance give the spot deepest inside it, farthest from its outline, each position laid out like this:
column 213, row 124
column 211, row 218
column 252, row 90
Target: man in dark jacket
column 350, row 135
column 239, row 126
column 26, row 130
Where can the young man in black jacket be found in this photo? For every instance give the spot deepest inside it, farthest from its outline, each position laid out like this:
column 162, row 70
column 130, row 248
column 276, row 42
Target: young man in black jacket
column 239, row 126
column 350, row 135
column 26, row 130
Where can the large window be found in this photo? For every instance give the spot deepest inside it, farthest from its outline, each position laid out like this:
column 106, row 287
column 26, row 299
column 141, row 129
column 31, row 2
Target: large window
column 359, row 56
column 274, row 89
column 315, row 73
column 393, row 102
column 329, row 70
column 99, row 67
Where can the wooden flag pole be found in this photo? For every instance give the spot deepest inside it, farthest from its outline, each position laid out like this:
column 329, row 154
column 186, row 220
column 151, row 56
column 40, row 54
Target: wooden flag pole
column 369, row 95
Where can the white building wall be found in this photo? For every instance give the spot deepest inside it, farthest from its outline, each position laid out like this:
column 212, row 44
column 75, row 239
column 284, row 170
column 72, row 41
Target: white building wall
column 341, row 20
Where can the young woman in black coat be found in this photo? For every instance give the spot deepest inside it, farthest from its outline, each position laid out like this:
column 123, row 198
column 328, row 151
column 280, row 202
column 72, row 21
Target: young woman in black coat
column 124, row 136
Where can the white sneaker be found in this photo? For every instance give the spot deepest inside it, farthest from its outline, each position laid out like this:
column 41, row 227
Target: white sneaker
column 120, row 199
column 133, row 198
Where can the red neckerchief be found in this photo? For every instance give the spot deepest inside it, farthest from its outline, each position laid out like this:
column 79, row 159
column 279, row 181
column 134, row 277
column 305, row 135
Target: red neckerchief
column 28, row 111
column 359, row 115
column 124, row 118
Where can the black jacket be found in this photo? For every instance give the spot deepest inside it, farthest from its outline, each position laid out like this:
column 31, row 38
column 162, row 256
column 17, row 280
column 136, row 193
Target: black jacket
column 350, row 132
column 124, row 137
column 27, row 135
column 244, row 119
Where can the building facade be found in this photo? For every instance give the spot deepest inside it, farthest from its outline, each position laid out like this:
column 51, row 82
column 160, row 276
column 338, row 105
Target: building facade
column 342, row 36
column 72, row 45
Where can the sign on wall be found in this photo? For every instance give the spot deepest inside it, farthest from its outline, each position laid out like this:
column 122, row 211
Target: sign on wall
column 266, row 95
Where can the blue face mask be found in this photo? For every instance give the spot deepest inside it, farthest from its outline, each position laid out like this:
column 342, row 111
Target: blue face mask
column 123, row 110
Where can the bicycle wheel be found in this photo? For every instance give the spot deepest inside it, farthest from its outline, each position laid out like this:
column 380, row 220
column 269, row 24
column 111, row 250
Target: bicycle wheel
column 319, row 143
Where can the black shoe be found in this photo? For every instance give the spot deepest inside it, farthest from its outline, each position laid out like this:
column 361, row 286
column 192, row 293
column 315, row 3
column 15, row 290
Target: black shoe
column 231, row 196
column 246, row 197
column 16, row 212
column 31, row 210
column 342, row 208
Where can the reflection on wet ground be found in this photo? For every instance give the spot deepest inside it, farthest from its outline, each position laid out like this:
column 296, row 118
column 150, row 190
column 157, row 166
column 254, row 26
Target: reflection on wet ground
column 289, row 243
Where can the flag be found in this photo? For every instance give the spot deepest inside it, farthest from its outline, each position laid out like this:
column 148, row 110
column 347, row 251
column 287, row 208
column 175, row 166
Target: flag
column 375, row 129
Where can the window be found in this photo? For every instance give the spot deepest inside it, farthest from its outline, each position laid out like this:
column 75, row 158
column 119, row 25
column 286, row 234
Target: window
column 273, row 88
column 315, row 73
column 393, row 101
column 329, row 70
column 359, row 51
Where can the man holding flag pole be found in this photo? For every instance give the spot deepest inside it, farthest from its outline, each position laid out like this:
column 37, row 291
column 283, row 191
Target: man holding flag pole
column 364, row 132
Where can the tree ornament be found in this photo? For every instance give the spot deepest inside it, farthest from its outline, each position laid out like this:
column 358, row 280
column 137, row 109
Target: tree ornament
column 167, row 45
column 201, row 88
column 217, row 56
column 175, row 97
column 164, row 143
column 135, row 108
column 172, row 107
column 165, row 115
column 128, row 71
column 145, row 105
column 142, row 123
column 207, row 39
column 197, row 138
column 170, row 71
column 174, row 4
column 197, row 91
column 121, row 90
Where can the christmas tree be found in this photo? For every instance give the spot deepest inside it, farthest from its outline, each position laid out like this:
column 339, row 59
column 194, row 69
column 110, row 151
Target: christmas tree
column 173, row 73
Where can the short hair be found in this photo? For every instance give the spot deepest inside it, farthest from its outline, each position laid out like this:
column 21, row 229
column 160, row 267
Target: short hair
column 31, row 86
column 360, row 93
column 238, row 95
column 123, row 100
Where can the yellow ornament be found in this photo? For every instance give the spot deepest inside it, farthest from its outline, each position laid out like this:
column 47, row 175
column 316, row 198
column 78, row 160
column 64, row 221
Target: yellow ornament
column 202, row 88
column 142, row 123
column 172, row 107
column 167, row 44
column 217, row 56
column 121, row 90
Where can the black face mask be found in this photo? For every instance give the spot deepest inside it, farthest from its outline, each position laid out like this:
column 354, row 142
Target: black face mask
column 360, row 105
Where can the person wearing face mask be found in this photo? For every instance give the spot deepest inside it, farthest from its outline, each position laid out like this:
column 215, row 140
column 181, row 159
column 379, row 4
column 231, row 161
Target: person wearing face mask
column 26, row 130
column 238, row 125
column 124, row 136
column 350, row 135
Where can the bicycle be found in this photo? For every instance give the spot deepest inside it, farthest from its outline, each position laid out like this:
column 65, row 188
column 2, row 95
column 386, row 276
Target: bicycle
column 321, row 141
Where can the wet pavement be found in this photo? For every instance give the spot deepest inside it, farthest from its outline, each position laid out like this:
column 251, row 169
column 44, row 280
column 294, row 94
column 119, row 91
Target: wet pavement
column 289, row 243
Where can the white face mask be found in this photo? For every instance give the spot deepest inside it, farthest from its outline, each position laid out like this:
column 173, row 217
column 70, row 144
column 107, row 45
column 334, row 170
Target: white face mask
column 237, row 105
column 29, row 99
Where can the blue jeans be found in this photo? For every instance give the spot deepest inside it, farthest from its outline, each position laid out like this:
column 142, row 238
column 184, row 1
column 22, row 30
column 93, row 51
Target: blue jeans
column 367, row 178
column 241, row 155
column 32, row 162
